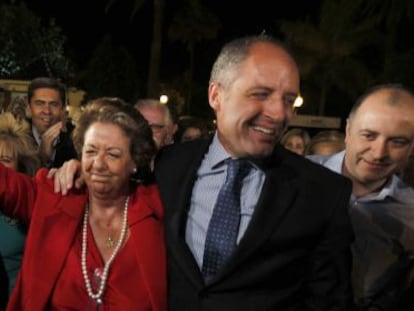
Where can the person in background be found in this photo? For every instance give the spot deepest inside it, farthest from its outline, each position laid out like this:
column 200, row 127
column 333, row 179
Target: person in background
column 18, row 108
column 190, row 128
column 102, row 246
column 407, row 172
column 17, row 153
column 50, row 128
column 4, row 286
column 296, row 140
column 379, row 142
column 160, row 119
column 326, row 142
column 281, row 240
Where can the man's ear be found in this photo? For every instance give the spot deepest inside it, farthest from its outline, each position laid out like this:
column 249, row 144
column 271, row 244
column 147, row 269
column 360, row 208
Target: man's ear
column 214, row 96
column 347, row 129
column 411, row 156
column 174, row 128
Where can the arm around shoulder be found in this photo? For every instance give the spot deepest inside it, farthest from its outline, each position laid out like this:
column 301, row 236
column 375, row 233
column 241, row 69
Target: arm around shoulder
column 17, row 194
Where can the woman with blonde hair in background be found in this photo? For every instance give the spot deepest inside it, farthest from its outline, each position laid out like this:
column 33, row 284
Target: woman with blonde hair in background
column 17, row 151
column 296, row 140
column 326, row 142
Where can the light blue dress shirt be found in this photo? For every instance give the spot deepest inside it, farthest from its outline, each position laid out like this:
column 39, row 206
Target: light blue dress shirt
column 210, row 177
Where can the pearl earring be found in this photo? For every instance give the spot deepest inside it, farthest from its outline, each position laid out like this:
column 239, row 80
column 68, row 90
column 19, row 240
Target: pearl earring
column 134, row 170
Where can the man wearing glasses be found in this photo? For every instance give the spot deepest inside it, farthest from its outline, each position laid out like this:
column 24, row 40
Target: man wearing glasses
column 160, row 120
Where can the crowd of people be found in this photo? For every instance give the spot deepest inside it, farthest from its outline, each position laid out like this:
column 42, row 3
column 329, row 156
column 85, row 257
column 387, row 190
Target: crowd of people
column 324, row 142
column 136, row 208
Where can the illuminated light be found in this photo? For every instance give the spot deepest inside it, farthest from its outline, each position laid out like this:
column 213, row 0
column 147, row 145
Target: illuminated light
column 163, row 99
column 298, row 102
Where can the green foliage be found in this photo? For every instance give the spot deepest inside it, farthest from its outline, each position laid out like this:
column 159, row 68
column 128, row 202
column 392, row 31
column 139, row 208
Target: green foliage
column 350, row 47
column 111, row 71
column 30, row 48
column 192, row 24
column 328, row 51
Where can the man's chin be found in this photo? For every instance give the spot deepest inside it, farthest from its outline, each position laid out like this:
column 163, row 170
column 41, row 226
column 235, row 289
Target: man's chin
column 42, row 127
column 261, row 150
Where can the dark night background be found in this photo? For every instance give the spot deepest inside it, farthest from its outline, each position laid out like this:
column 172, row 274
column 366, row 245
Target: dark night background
column 85, row 24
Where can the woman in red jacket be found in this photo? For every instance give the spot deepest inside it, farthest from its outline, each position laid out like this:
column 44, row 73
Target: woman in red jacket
column 100, row 247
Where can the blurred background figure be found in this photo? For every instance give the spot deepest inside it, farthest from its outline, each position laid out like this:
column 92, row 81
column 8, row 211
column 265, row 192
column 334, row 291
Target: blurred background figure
column 326, row 143
column 3, row 286
column 16, row 152
column 190, row 128
column 161, row 119
column 18, row 108
column 407, row 172
column 296, row 140
column 48, row 121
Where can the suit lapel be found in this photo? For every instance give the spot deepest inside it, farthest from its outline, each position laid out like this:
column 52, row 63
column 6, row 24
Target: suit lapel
column 176, row 221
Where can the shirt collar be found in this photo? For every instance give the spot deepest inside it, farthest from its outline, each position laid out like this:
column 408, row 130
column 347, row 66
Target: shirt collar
column 335, row 162
column 216, row 154
column 396, row 189
column 36, row 135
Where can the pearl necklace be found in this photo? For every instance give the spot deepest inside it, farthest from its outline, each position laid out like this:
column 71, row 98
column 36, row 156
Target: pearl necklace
column 98, row 296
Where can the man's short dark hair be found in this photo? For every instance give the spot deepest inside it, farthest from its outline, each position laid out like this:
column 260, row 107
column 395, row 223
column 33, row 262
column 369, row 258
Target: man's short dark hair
column 47, row 83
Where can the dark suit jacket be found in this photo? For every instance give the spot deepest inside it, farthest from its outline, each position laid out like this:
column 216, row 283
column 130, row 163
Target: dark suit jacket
column 295, row 253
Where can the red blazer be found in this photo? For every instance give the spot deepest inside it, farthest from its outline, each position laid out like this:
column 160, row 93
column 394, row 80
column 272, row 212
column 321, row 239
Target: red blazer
column 55, row 220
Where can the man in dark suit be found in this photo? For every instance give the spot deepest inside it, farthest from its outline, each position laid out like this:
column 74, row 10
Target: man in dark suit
column 292, row 249
column 289, row 248
column 50, row 128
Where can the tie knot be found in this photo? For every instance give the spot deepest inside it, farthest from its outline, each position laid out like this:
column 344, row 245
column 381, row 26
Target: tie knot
column 237, row 169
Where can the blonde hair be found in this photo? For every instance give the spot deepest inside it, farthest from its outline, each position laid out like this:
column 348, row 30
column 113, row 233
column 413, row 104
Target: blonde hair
column 296, row 132
column 16, row 136
column 333, row 138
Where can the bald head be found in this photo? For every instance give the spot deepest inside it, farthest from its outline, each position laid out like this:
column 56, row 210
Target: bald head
column 389, row 94
column 379, row 137
column 235, row 53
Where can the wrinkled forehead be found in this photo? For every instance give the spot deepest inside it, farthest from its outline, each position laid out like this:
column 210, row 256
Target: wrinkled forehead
column 154, row 113
column 395, row 106
column 384, row 119
column 387, row 99
column 271, row 66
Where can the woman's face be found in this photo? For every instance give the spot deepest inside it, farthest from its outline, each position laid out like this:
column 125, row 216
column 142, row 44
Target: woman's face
column 106, row 160
column 190, row 134
column 295, row 144
column 7, row 155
